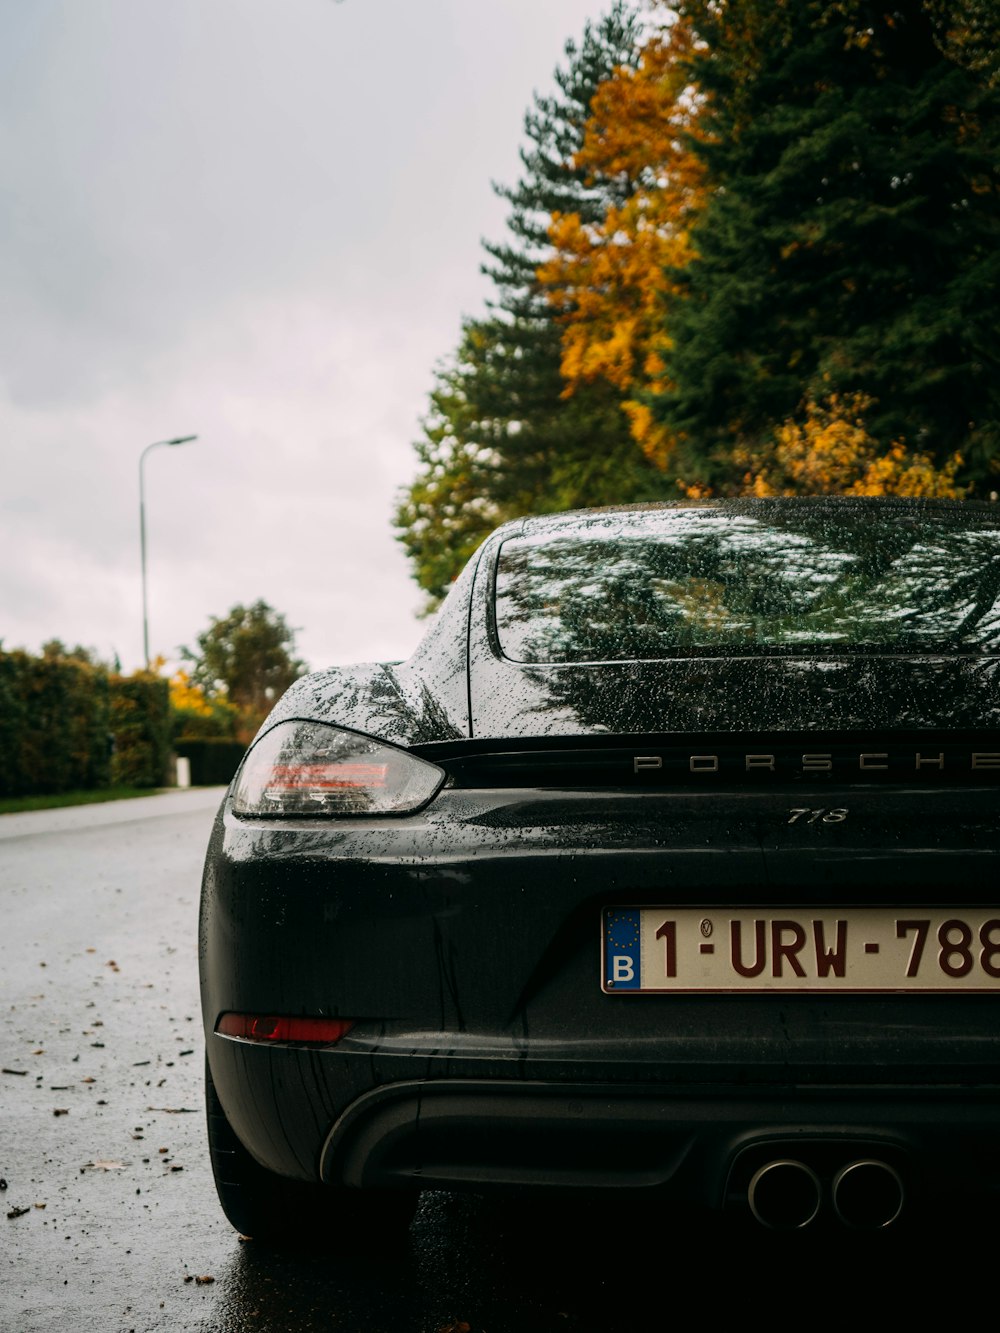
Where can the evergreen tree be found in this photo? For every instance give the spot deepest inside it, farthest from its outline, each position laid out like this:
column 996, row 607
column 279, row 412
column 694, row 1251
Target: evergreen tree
column 553, row 182
column 608, row 277
column 501, row 438
column 851, row 245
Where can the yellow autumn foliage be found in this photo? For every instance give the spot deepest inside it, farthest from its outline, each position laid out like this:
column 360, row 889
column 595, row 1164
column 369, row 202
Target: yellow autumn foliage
column 608, row 279
column 831, row 453
column 186, row 697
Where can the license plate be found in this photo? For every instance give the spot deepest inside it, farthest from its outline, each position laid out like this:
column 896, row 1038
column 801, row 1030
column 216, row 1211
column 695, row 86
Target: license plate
column 655, row 949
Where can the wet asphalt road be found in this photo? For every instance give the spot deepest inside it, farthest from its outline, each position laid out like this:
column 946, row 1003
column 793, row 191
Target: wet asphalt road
column 115, row 1218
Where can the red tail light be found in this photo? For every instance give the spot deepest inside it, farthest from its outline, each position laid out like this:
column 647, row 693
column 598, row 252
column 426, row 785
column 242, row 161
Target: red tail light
column 294, row 1031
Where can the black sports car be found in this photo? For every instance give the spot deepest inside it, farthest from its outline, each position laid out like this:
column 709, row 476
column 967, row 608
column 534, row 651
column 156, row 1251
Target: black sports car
column 667, row 864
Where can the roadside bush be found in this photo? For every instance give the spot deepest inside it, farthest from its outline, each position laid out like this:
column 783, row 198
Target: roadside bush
column 197, row 714
column 54, row 724
column 11, row 722
column 140, row 721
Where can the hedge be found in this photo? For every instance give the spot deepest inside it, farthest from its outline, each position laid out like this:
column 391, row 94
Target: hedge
column 55, row 725
column 140, row 721
column 67, row 724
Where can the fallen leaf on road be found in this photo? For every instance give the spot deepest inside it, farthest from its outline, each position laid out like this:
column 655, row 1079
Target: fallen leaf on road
column 18, row 1212
column 204, row 1279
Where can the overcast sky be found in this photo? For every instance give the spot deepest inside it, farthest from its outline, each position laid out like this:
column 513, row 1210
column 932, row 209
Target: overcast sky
column 257, row 221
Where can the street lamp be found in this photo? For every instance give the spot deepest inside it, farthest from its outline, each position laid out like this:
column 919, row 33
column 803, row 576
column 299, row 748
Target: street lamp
column 181, row 439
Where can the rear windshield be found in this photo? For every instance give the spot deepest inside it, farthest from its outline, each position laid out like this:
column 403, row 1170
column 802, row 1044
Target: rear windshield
column 793, row 579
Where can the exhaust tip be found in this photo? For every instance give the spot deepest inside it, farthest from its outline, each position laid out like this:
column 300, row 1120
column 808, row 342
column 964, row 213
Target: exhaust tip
column 867, row 1195
column 784, row 1195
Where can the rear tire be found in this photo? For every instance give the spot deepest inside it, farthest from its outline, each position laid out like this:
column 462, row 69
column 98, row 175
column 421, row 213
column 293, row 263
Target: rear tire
column 282, row 1212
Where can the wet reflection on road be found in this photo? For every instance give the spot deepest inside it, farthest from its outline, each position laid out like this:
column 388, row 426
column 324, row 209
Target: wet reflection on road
column 475, row 1265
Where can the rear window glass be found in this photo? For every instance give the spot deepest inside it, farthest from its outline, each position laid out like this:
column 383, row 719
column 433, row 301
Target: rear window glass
column 768, row 580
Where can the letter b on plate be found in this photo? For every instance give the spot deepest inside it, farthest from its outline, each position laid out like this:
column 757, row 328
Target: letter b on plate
column 622, row 968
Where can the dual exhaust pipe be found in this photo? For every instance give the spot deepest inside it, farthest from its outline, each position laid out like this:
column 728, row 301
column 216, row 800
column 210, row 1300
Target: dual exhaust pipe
column 787, row 1195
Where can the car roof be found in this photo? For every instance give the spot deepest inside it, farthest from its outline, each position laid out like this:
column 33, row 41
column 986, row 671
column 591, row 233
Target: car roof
column 582, row 521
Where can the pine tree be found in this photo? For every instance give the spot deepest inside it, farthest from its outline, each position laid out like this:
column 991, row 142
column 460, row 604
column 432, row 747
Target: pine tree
column 501, row 439
column 851, row 244
column 608, row 278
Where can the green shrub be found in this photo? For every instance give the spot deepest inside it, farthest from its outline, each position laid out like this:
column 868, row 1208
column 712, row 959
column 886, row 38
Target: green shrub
column 218, row 722
column 11, row 722
column 140, row 721
column 54, row 724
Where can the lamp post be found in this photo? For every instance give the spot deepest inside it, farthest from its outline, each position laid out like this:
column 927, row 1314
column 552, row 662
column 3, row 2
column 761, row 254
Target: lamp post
column 180, row 439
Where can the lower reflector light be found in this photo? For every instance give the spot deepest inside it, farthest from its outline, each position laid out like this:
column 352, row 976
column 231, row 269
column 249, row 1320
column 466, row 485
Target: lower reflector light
column 292, row 1031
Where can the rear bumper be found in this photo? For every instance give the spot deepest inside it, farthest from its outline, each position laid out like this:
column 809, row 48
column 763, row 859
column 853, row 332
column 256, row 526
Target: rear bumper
column 316, row 1116
column 689, row 1143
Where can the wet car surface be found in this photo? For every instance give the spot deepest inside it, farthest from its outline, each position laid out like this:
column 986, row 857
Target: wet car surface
column 664, row 871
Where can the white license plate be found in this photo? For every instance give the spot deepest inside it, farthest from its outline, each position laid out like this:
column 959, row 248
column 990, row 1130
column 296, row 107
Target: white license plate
column 718, row 949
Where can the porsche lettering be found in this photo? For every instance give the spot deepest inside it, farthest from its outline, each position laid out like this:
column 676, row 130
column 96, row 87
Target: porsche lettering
column 866, row 761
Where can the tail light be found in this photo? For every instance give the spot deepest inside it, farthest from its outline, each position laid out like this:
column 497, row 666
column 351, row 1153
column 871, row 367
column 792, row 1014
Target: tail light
column 273, row 1028
column 307, row 768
